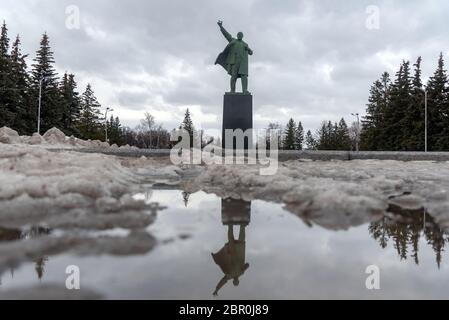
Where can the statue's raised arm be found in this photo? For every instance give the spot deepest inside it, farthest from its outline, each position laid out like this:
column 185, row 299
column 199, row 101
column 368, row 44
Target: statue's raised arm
column 234, row 58
column 226, row 34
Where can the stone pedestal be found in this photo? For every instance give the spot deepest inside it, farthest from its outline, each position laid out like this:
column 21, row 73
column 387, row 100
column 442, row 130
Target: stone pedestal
column 235, row 212
column 238, row 114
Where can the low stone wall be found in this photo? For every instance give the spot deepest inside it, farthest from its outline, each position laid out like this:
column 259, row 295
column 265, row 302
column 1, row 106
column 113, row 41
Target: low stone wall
column 363, row 155
column 297, row 155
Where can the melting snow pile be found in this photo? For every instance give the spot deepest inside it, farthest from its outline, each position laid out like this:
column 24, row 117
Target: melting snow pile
column 70, row 192
column 53, row 138
column 337, row 194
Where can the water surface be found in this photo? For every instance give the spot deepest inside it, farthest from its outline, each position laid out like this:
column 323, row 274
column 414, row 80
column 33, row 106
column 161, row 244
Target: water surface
column 258, row 250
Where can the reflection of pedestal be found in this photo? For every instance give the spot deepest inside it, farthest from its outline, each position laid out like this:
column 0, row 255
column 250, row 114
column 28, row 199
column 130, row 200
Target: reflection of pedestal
column 238, row 114
column 235, row 212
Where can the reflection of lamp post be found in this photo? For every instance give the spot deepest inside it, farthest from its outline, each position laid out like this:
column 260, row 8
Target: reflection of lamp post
column 425, row 119
column 42, row 79
column 357, row 131
column 424, row 222
column 106, row 122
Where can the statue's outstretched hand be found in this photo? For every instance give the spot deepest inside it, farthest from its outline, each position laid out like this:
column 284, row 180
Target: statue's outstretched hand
column 220, row 23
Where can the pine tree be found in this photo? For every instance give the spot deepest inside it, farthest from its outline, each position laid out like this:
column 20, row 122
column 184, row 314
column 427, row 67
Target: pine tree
column 43, row 68
column 325, row 136
column 414, row 118
column 310, row 141
column 70, row 104
column 437, row 89
column 290, row 136
column 342, row 138
column 90, row 125
column 115, row 131
column 372, row 135
column 299, row 137
column 188, row 126
column 331, row 135
column 395, row 113
column 322, row 137
column 6, row 85
column 4, row 41
column 23, row 119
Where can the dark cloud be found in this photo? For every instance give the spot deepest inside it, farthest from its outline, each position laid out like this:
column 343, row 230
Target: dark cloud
column 314, row 60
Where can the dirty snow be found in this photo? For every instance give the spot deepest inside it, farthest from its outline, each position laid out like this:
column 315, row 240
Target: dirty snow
column 337, row 195
column 55, row 139
column 74, row 194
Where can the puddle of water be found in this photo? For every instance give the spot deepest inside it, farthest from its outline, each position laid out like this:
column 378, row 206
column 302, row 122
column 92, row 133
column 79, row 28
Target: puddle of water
column 257, row 250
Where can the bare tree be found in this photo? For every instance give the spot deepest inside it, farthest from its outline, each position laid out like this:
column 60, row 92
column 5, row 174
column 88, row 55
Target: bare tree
column 145, row 130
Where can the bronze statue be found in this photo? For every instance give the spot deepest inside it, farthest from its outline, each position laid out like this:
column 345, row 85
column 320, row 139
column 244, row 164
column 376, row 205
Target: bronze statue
column 234, row 59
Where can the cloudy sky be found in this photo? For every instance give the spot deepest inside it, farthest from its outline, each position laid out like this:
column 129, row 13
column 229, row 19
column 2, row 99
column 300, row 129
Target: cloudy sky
column 314, row 60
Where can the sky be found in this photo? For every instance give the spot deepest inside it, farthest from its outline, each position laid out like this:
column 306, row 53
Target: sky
column 313, row 60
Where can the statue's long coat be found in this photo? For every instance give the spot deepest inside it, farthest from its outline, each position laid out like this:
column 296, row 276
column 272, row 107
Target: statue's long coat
column 228, row 57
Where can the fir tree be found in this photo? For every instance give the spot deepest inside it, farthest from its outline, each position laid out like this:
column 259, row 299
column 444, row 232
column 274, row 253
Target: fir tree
column 4, row 41
column 395, row 113
column 342, row 138
column 310, row 141
column 89, row 124
column 414, row 118
column 325, row 136
column 299, row 137
column 115, row 131
column 188, row 126
column 70, row 104
column 290, row 136
column 23, row 119
column 372, row 135
column 437, row 89
column 44, row 70
column 6, row 85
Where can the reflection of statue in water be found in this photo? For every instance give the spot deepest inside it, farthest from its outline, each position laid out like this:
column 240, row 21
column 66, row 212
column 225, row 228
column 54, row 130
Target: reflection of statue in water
column 234, row 59
column 231, row 258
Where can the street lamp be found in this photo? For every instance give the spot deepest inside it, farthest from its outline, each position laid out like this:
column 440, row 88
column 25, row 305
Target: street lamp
column 106, row 122
column 42, row 79
column 425, row 117
column 357, row 131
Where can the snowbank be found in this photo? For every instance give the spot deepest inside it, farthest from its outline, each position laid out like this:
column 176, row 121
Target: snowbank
column 337, row 194
column 54, row 139
column 74, row 194
column 9, row 136
column 92, row 190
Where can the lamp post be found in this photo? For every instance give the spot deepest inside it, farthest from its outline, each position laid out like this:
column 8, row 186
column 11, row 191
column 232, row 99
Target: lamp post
column 106, row 122
column 425, row 117
column 42, row 79
column 357, row 131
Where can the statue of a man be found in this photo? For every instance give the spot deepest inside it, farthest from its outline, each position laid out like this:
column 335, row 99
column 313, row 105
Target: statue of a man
column 235, row 59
